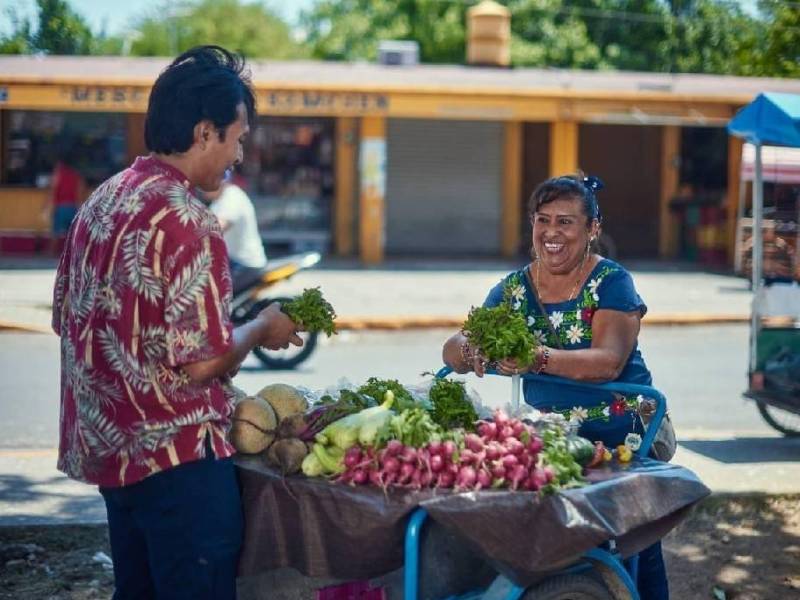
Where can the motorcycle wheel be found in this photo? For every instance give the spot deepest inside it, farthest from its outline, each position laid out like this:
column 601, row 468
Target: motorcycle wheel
column 788, row 423
column 291, row 356
column 568, row 587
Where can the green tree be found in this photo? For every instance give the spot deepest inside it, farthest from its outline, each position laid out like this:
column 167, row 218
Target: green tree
column 780, row 53
column 60, row 30
column 352, row 29
column 249, row 28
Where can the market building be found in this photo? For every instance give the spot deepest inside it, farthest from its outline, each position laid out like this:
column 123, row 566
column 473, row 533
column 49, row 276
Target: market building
column 370, row 159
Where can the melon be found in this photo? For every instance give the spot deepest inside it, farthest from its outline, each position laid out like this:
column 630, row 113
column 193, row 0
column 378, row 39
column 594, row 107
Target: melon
column 253, row 425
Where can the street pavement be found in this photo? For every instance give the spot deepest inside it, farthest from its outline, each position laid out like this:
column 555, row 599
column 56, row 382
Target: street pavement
column 701, row 368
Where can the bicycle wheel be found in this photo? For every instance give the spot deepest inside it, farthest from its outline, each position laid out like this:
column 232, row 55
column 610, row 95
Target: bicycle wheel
column 787, row 422
column 568, row 587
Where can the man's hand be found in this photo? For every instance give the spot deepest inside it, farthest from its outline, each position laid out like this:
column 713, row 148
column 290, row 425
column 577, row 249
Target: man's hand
column 279, row 329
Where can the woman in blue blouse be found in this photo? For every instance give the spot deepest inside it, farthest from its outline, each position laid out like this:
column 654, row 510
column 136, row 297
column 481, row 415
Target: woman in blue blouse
column 585, row 313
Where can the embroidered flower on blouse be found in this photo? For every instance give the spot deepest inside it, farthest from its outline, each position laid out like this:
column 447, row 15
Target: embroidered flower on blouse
column 518, row 293
column 557, row 318
column 540, row 337
column 593, row 285
column 515, row 304
column 579, row 414
column 575, row 334
column 606, row 411
column 531, row 321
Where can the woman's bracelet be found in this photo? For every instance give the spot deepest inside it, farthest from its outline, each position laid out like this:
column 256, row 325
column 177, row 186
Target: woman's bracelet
column 467, row 354
column 543, row 358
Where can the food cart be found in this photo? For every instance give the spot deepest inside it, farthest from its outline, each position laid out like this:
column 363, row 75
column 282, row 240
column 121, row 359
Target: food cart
column 774, row 360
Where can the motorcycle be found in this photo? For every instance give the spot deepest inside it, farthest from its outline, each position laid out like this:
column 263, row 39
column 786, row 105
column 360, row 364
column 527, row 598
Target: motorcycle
column 250, row 301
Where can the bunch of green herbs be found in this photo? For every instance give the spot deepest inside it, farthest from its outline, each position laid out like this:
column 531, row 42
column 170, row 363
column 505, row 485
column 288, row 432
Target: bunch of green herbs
column 376, row 388
column 311, row 312
column 450, row 406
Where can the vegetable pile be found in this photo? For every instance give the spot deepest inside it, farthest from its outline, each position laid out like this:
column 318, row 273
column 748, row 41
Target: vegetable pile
column 432, row 443
column 500, row 332
column 311, row 312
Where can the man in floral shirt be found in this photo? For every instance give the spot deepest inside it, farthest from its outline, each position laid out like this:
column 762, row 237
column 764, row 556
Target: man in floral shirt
column 142, row 305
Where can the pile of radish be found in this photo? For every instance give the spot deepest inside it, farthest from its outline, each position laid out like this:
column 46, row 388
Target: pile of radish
column 504, row 453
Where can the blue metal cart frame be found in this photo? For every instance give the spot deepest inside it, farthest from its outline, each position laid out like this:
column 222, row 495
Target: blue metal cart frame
column 503, row 588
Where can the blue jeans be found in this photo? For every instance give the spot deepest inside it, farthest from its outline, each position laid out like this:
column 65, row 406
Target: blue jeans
column 652, row 579
column 177, row 534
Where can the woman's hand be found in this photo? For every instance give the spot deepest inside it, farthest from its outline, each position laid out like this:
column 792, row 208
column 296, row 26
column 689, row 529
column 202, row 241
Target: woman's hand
column 509, row 366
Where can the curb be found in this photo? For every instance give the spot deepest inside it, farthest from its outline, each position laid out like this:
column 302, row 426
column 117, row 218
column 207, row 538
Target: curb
column 440, row 322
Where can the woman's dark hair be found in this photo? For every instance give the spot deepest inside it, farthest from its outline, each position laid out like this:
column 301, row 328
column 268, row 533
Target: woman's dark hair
column 568, row 186
column 206, row 82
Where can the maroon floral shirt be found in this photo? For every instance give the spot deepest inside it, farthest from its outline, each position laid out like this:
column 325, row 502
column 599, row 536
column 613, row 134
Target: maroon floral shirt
column 142, row 288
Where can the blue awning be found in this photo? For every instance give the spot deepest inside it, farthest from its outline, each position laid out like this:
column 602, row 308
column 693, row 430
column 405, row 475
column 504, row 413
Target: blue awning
column 771, row 118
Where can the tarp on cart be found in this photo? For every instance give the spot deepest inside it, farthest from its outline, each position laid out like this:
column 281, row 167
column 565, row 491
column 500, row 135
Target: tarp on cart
column 331, row 530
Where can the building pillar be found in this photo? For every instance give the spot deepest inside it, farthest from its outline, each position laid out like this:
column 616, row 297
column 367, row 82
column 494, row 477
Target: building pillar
column 563, row 148
column 135, row 145
column 344, row 199
column 372, row 189
column 735, row 145
column 512, row 189
column 670, row 181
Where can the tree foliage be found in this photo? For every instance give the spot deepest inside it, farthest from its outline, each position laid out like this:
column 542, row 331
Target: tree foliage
column 248, row 28
column 58, row 30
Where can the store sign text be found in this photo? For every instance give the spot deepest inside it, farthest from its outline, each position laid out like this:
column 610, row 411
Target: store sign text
column 104, row 95
column 323, row 102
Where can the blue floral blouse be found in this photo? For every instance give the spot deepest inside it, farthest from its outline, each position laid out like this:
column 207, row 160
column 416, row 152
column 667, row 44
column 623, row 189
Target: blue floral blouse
column 604, row 416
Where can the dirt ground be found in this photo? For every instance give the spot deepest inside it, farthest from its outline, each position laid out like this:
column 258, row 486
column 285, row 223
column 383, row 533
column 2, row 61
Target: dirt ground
column 742, row 548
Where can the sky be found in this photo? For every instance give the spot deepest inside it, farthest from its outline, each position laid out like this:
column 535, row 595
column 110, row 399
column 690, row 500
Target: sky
column 116, row 15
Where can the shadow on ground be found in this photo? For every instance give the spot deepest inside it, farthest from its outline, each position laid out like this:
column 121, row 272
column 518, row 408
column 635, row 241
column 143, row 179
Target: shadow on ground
column 747, row 546
column 747, row 450
column 25, row 501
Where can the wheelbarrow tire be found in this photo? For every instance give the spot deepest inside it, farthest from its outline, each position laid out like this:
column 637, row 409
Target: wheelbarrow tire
column 568, row 587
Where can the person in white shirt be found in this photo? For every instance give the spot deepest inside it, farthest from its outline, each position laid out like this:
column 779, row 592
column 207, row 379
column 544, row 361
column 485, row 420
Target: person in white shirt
column 237, row 217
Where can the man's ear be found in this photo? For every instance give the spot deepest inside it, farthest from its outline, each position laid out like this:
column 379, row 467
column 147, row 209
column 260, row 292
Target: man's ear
column 203, row 132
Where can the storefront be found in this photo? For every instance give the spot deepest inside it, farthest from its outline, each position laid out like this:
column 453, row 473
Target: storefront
column 370, row 160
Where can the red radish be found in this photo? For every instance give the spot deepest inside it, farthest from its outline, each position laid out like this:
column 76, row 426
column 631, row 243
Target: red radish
column 360, row 476
column 535, row 445
column 466, row 478
column 494, row 450
column 487, row 430
column 467, row 456
column 484, row 479
column 500, row 417
column 473, row 442
column 436, row 463
column 530, row 484
column 506, row 433
column 406, row 472
column 391, row 465
column 538, row 474
column 518, row 475
column 445, row 480
column 517, row 427
column 527, row 460
column 394, row 447
column 425, row 478
column 352, row 457
column 435, row 447
column 509, row 461
column 376, row 478
column 424, row 457
column 449, row 448
column 498, row 471
column 514, row 446
column 408, row 455
column 549, row 474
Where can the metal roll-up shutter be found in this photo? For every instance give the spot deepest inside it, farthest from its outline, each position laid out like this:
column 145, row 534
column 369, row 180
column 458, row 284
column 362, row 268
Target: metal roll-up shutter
column 443, row 187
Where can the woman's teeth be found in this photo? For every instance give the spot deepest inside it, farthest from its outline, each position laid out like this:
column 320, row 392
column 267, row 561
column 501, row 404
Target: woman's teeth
column 553, row 248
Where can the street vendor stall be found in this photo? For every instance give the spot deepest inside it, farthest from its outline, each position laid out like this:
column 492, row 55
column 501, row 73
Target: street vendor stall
column 526, row 530
column 774, row 365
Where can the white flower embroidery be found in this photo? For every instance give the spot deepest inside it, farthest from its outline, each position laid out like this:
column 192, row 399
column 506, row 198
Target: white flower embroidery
column 593, row 285
column 578, row 315
column 556, row 319
column 540, row 337
column 578, row 414
column 518, row 293
column 575, row 334
column 607, row 411
column 531, row 321
column 515, row 304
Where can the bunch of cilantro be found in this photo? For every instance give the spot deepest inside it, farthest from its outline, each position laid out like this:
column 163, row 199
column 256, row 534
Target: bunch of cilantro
column 500, row 332
column 450, row 406
column 311, row 312
column 376, row 388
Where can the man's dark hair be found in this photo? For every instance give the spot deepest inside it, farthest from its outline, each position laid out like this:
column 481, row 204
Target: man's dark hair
column 206, row 82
